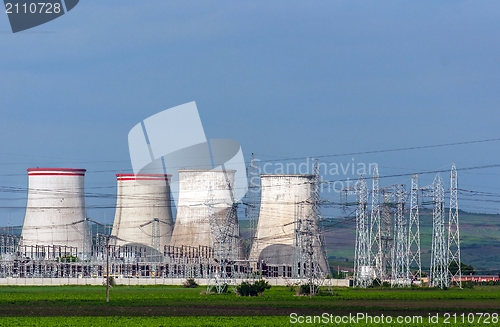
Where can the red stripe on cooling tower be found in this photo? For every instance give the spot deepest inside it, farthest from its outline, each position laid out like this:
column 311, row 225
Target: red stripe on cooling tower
column 56, row 171
column 143, row 177
column 55, row 174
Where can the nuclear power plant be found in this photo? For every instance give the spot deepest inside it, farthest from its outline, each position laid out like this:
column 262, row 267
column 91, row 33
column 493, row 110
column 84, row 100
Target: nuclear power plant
column 183, row 224
column 203, row 242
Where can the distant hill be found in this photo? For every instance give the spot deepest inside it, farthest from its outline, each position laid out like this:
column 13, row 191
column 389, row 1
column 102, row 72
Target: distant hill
column 479, row 241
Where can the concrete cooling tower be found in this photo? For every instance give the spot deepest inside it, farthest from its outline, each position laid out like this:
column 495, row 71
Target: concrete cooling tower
column 55, row 212
column 143, row 211
column 284, row 199
column 201, row 193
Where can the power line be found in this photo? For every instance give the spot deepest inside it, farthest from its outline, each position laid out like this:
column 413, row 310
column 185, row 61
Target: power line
column 389, row 150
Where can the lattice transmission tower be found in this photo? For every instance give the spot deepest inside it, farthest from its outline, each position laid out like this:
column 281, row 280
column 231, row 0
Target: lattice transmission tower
column 376, row 254
column 439, row 265
column 223, row 245
column 386, row 233
column 299, row 255
column 309, row 240
column 362, row 268
column 414, row 260
column 319, row 242
column 307, row 253
column 400, row 271
column 155, row 233
column 453, row 251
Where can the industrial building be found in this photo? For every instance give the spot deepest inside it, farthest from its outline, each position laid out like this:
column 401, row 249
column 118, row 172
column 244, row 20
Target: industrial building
column 204, row 194
column 204, row 241
column 143, row 213
column 286, row 201
column 55, row 211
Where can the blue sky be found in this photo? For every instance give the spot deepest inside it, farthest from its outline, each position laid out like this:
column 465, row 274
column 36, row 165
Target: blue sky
column 286, row 79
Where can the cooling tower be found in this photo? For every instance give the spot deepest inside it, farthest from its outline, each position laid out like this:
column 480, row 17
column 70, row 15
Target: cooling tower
column 55, row 212
column 143, row 210
column 201, row 194
column 284, row 199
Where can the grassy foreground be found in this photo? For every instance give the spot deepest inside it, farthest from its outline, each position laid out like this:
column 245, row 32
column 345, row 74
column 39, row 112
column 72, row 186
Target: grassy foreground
column 176, row 306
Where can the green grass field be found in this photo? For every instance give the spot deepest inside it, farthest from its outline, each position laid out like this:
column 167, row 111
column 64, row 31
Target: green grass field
column 176, row 306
